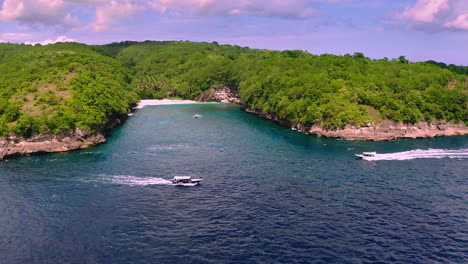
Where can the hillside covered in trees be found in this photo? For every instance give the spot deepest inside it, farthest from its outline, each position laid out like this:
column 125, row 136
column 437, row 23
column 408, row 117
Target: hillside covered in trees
column 298, row 86
column 57, row 87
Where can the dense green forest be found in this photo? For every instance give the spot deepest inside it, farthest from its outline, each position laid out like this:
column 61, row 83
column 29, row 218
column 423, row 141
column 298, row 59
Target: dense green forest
column 56, row 87
column 298, row 86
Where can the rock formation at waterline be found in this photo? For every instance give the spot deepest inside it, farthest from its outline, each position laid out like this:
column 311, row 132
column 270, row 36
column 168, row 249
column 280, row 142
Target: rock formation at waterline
column 220, row 93
column 76, row 139
column 376, row 131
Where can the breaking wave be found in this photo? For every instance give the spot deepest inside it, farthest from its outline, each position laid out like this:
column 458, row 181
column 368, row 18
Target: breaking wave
column 422, row 154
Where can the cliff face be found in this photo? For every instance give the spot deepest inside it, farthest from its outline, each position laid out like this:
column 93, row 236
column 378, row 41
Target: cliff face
column 220, row 93
column 76, row 139
column 48, row 142
column 384, row 130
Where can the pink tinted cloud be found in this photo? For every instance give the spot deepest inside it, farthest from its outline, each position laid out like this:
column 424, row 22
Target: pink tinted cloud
column 425, row 10
column 11, row 9
column 45, row 12
column 60, row 13
column 13, row 37
column 461, row 22
column 113, row 11
column 437, row 15
column 295, row 9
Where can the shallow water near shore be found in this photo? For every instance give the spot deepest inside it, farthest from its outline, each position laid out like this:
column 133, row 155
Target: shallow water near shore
column 269, row 195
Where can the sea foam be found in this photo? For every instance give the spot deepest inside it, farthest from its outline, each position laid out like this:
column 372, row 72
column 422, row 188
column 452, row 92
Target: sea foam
column 422, row 154
column 132, row 180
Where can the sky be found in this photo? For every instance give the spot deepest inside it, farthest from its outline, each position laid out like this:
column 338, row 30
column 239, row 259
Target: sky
column 418, row 29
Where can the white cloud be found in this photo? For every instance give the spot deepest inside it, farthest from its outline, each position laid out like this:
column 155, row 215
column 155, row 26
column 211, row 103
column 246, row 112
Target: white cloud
column 50, row 41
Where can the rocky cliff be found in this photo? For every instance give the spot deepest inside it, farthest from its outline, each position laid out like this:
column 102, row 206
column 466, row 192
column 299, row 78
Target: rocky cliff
column 45, row 143
column 220, row 93
column 376, row 131
column 76, row 139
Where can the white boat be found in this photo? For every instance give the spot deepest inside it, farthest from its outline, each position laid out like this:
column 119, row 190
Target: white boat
column 197, row 116
column 185, row 181
column 366, row 155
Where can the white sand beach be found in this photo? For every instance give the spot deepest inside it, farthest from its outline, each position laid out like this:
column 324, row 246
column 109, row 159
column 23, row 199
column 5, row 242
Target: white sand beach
column 144, row 103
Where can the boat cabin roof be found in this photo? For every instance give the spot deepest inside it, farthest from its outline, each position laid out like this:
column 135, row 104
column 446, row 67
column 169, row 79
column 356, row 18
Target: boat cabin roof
column 182, row 178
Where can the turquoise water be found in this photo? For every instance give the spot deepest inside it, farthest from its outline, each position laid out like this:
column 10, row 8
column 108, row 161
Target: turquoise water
column 269, row 195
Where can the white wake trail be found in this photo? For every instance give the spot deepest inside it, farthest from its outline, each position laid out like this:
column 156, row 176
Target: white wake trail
column 422, row 154
column 133, row 180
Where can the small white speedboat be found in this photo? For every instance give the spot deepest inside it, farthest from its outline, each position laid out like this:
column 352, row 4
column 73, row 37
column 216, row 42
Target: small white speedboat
column 185, row 181
column 366, row 155
column 197, row 116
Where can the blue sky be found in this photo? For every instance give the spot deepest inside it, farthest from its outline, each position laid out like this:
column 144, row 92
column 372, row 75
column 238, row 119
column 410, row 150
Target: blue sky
column 417, row 29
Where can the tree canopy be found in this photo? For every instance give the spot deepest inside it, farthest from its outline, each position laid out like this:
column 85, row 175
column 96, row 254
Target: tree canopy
column 57, row 87
column 299, row 86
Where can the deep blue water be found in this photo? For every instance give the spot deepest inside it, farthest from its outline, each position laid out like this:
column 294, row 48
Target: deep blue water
column 270, row 195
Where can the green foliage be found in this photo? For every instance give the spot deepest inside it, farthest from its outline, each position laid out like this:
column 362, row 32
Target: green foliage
column 8, row 111
column 452, row 67
column 403, row 59
column 28, row 126
column 4, row 131
column 295, row 85
column 57, row 87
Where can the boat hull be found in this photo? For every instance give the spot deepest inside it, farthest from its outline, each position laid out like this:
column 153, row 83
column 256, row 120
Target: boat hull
column 366, row 155
column 186, row 184
column 192, row 183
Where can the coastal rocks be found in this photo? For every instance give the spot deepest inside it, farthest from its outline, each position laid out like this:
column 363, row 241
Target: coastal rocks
column 65, row 141
column 70, row 140
column 221, row 93
column 380, row 131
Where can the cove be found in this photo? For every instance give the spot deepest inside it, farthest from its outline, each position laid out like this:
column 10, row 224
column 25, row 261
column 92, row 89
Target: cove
column 269, row 195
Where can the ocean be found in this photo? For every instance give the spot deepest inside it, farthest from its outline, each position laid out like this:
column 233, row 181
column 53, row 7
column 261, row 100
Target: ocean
column 269, row 195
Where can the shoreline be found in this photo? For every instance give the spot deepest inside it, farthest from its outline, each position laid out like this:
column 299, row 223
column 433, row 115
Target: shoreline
column 74, row 139
column 150, row 102
column 385, row 130
column 78, row 139
column 49, row 143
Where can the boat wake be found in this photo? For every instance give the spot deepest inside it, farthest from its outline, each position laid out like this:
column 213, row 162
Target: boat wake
column 422, row 154
column 132, row 180
column 168, row 147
